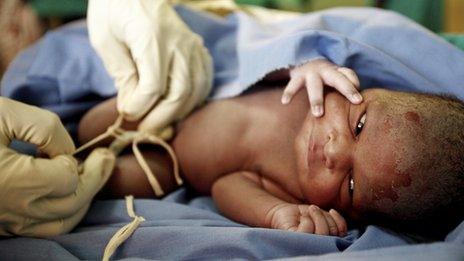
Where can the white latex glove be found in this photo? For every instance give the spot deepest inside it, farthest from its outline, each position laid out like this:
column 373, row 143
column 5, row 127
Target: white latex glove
column 314, row 75
column 153, row 57
column 42, row 197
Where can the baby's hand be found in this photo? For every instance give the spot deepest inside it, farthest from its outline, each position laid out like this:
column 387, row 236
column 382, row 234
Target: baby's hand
column 315, row 75
column 308, row 219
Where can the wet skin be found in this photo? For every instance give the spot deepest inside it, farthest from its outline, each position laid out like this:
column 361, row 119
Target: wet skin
column 336, row 148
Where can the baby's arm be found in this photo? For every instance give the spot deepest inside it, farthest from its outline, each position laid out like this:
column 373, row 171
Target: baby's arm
column 243, row 197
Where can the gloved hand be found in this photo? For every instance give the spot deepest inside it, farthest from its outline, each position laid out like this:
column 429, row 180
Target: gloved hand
column 153, row 57
column 44, row 196
column 314, row 75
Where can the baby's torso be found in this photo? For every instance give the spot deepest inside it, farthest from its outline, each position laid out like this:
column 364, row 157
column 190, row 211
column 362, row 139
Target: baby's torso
column 249, row 133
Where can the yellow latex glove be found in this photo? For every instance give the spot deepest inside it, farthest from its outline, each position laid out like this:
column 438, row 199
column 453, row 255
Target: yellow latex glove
column 42, row 197
column 153, row 57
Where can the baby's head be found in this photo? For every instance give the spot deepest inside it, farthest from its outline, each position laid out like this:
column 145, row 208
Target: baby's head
column 397, row 156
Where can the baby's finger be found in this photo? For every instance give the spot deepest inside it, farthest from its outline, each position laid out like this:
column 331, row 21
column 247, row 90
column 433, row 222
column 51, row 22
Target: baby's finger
column 293, row 86
column 340, row 221
column 322, row 228
column 292, row 228
column 351, row 75
column 333, row 228
column 338, row 81
column 315, row 89
column 306, row 225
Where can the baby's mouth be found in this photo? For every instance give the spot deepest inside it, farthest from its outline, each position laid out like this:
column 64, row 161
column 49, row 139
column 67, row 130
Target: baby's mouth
column 311, row 148
column 315, row 151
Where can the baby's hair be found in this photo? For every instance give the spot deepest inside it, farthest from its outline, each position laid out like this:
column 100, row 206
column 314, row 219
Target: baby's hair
column 436, row 203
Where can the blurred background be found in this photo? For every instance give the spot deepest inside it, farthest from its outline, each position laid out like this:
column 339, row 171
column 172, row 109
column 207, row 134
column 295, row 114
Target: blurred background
column 22, row 22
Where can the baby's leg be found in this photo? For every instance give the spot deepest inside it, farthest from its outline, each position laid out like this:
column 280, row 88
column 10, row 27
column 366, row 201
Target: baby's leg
column 127, row 177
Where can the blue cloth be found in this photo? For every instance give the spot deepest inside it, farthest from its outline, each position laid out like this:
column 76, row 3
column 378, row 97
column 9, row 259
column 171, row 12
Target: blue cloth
column 184, row 227
column 62, row 73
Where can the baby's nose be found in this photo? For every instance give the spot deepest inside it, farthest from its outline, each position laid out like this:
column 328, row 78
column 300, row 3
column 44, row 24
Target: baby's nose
column 337, row 151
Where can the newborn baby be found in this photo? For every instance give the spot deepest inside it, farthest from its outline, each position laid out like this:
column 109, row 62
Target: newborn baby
column 395, row 156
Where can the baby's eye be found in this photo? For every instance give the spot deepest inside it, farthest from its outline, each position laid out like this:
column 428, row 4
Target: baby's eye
column 351, row 186
column 360, row 125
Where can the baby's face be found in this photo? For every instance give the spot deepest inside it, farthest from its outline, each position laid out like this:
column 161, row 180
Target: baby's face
column 357, row 157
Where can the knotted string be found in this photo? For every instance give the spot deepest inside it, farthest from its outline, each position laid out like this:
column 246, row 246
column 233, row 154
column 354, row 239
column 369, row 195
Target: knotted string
column 114, row 130
column 148, row 138
column 122, row 139
column 125, row 232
